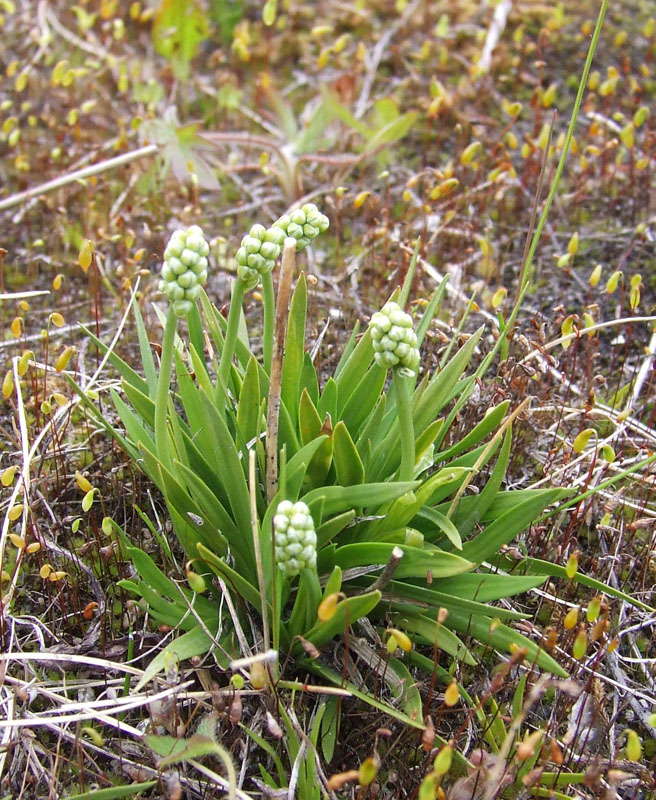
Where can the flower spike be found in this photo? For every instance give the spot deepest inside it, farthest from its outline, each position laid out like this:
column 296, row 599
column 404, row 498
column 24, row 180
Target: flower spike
column 304, row 224
column 184, row 270
column 295, row 538
column 394, row 340
column 258, row 253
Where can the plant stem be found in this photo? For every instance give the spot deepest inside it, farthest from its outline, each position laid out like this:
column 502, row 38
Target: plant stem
column 163, row 386
column 406, row 428
column 565, row 151
column 275, row 378
column 231, row 332
column 269, row 306
column 255, row 527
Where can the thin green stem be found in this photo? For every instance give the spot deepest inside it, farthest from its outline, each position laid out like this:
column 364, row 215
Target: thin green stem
column 231, row 332
column 163, row 386
column 510, row 323
column 269, row 305
column 568, row 139
column 406, row 427
column 255, row 530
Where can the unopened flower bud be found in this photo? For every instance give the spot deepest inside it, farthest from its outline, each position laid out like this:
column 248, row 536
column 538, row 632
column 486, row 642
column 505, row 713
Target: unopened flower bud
column 295, row 537
column 303, row 224
column 394, row 340
column 257, row 255
column 184, row 270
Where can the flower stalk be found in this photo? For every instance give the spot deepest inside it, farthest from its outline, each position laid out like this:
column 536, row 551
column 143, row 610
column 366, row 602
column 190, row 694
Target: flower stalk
column 395, row 347
column 184, row 272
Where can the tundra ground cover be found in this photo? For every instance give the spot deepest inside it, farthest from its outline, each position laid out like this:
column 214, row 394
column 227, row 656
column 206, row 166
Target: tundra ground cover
column 391, row 117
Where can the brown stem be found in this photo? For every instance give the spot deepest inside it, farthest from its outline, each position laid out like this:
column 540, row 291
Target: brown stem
column 273, row 403
column 388, row 573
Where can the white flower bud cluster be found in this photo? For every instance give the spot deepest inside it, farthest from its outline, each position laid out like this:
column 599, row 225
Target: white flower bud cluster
column 394, row 340
column 258, row 253
column 304, row 224
column 184, row 270
column 295, row 538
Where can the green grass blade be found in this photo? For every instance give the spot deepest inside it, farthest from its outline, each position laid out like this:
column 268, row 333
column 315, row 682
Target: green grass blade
column 114, row 792
column 415, row 563
column 504, row 529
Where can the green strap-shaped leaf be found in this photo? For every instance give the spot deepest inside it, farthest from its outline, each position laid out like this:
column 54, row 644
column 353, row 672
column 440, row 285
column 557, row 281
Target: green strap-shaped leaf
column 287, row 432
column 235, row 581
column 443, row 385
column 179, row 500
column 392, row 132
column 134, row 426
column 399, row 513
column 331, row 528
column 143, row 405
column 346, row 613
column 416, row 562
column 489, row 424
column 466, row 521
column 298, row 466
column 488, row 587
column 231, row 466
column 364, row 399
column 425, row 440
column 309, row 378
column 404, row 688
column 212, row 508
column 292, row 364
column 536, row 565
column 436, row 598
column 107, row 426
column 504, row 529
column 123, row 368
column 334, row 582
column 153, row 575
column 349, row 347
column 431, row 308
column 310, row 428
column 354, row 368
column 145, row 350
column 328, row 401
column 189, row 396
column 248, row 408
column 162, row 611
column 502, row 637
column 443, row 525
column 309, row 419
column 330, row 727
column 193, row 643
column 336, row 499
column 200, row 368
column 115, row 792
column 348, row 466
column 433, row 633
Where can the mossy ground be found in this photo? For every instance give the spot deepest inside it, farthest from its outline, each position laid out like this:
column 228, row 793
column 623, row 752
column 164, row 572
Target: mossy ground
column 77, row 90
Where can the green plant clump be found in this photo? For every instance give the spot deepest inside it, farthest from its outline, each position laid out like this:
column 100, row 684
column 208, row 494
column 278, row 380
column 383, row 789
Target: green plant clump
column 317, row 504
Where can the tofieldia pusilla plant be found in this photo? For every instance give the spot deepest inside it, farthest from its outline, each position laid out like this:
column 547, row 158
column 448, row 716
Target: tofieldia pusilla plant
column 317, row 503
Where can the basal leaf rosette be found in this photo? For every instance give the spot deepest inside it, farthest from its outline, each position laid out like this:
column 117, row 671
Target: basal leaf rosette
column 258, row 253
column 184, row 270
column 394, row 339
column 303, row 224
column 295, row 538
